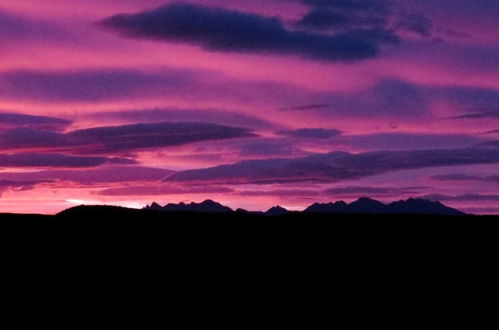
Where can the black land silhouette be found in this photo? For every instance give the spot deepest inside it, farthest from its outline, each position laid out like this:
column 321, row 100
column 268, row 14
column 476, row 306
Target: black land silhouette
column 202, row 252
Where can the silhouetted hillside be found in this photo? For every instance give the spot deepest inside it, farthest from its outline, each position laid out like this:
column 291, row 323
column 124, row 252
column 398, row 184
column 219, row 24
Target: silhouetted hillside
column 240, row 256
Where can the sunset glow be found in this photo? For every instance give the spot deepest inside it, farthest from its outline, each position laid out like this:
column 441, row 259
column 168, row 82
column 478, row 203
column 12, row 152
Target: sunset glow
column 249, row 103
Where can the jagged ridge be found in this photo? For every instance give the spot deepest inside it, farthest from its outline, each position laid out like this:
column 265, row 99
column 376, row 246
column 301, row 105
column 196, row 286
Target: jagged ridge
column 371, row 206
column 208, row 206
column 363, row 205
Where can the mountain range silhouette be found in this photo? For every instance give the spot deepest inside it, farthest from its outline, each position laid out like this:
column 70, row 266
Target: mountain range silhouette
column 363, row 205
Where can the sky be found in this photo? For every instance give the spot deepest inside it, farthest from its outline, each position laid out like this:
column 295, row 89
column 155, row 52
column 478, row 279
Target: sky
column 249, row 103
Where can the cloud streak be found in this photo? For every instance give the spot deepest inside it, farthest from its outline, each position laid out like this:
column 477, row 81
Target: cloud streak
column 110, row 139
column 155, row 190
column 56, row 160
column 209, row 116
column 90, row 85
column 356, row 191
column 463, row 198
column 92, row 176
column 335, row 166
column 10, row 120
column 311, row 133
column 15, row 28
column 9, row 185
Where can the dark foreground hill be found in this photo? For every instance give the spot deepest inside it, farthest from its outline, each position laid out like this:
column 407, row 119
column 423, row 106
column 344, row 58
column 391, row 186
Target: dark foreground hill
column 240, row 257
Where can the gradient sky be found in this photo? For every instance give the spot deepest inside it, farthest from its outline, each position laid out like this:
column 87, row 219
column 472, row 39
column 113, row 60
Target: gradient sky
column 250, row 103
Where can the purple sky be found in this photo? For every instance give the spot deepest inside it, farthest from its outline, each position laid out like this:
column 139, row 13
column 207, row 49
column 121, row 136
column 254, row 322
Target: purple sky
column 250, row 103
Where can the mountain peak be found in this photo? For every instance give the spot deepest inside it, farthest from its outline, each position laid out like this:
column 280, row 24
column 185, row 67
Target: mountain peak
column 153, row 206
column 276, row 210
column 208, row 202
column 367, row 205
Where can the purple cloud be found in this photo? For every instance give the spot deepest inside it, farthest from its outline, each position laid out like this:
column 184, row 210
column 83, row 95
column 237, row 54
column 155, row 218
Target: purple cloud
column 484, row 114
column 353, row 191
column 99, row 85
column 120, row 138
column 335, row 166
column 384, row 18
column 56, row 160
column 401, row 141
column 211, row 116
column 27, row 138
column 301, row 193
column 456, row 177
column 140, row 136
column 402, row 99
column 311, row 133
column 306, row 107
column 390, row 98
column 90, row 176
column 492, row 143
column 217, row 29
column 463, row 198
column 6, row 185
column 346, row 15
column 15, row 120
column 464, row 177
column 267, row 147
column 475, row 99
column 356, row 191
column 91, row 85
column 163, row 190
column 14, row 27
